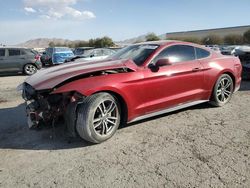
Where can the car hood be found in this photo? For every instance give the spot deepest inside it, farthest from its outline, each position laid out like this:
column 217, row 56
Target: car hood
column 51, row 77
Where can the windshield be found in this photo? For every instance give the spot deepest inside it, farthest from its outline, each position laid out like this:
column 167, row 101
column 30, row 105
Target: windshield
column 88, row 52
column 62, row 49
column 138, row 53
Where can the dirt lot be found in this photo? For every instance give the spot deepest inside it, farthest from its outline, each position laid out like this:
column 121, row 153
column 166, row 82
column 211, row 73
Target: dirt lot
column 196, row 147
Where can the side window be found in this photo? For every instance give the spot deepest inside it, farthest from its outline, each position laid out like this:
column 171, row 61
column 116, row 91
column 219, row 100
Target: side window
column 108, row 52
column 201, row 53
column 2, row 52
column 14, row 52
column 177, row 54
column 98, row 52
column 23, row 52
column 49, row 51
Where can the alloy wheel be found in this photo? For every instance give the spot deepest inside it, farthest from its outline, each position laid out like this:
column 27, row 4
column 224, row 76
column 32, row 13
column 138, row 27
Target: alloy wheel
column 224, row 90
column 30, row 69
column 105, row 117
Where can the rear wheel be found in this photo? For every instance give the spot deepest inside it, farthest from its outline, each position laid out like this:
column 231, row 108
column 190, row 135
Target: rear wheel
column 29, row 69
column 98, row 117
column 223, row 90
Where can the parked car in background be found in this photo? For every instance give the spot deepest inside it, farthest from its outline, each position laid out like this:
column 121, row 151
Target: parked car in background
column 227, row 50
column 243, row 52
column 19, row 60
column 137, row 82
column 214, row 47
column 46, row 57
column 81, row 50
column 56, row 55
column 96, row 54
column 60, row 54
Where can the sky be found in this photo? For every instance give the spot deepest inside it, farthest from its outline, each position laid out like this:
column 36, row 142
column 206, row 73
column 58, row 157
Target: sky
column 22, row 20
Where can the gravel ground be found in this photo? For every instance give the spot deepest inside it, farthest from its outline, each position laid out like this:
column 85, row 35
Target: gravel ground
column 196, row 147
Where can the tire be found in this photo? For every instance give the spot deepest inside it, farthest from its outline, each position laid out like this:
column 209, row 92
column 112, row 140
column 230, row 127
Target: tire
column 29, row 69
column 223, row 91
column 98, row 117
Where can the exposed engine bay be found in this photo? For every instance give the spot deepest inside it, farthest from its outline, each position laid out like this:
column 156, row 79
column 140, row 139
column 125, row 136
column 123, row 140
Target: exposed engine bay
column 45, row 108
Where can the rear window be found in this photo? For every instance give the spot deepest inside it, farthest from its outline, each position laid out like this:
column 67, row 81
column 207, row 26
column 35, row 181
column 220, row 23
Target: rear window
column 108, row 52
column 28, row 52
column 14, row 52
column 62, row 49
column 49, row 51
column 2, row 52
column 201, row 53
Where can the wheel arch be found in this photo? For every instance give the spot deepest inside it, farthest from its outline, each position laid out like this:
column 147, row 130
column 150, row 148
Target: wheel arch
column 221, row 73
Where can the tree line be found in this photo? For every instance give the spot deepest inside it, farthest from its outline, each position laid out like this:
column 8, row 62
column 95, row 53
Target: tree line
column 97, row 43
column 231, row 39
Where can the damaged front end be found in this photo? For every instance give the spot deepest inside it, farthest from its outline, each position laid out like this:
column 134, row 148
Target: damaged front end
column 45, row 108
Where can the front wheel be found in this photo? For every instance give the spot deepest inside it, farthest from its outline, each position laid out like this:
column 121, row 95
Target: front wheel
column 223, row 90
column 29, row 69
column 98, row 117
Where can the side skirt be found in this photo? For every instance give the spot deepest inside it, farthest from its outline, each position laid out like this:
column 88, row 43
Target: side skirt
column 178, row 107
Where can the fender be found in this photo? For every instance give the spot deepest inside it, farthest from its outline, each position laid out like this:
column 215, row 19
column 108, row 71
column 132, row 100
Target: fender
column 92, row 85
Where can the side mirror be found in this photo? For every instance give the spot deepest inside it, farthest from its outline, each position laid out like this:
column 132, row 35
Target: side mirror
column 162, row 62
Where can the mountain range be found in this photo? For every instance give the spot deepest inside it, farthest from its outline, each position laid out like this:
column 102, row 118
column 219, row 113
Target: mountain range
column 44, row 42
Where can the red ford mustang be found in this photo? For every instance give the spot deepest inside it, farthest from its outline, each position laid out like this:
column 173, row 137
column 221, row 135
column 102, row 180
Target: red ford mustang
column 139, row 81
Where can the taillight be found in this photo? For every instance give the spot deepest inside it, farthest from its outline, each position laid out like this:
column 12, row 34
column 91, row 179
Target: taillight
column 37, row 57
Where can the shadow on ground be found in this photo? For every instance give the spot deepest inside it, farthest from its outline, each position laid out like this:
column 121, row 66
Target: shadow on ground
column 15, row 134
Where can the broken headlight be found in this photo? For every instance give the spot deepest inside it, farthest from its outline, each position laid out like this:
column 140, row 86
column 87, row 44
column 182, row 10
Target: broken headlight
column 28, row 92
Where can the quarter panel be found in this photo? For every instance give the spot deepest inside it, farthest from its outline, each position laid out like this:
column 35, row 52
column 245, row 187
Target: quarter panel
column 216, row 66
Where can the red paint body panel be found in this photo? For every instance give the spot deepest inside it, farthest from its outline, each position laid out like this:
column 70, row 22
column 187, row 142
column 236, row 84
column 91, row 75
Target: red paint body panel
column 143, row 90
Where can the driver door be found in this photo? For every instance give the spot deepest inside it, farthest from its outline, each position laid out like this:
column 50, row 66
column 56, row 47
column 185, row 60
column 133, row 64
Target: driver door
column 175, row 84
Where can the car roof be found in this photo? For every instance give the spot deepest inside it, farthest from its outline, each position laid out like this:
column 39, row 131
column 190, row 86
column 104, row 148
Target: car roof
column 168, row 42
column 159, row 42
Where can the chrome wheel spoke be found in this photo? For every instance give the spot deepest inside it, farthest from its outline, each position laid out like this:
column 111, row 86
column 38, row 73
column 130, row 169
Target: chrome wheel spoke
column 102, row 113
column 104, row 128
column 228, row 84
column 110, row 122
column 222, row 97
column 97, row 119
column 111, row 108
column 218, row 92
column 222, row 82
column 98, row 124
column 103, row 107
column 111, row 117
column 227, row 93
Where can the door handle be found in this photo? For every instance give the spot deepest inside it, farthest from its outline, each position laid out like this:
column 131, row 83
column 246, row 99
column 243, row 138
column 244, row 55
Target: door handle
column 196, row 69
